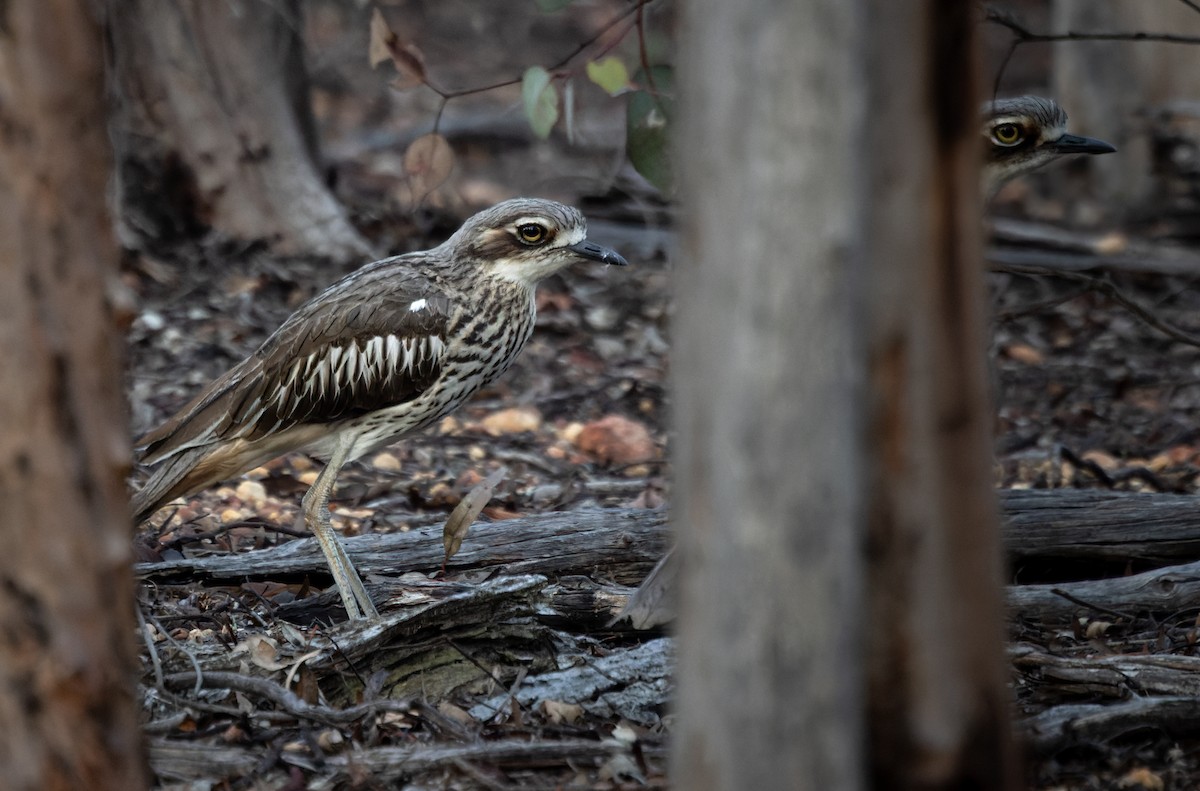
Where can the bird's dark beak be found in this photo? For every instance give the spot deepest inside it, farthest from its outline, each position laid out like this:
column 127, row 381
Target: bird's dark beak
column 1074, row 144
column 598, row 252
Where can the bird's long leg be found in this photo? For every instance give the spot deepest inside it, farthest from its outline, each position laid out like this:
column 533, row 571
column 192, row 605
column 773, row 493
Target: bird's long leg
column 315, row 515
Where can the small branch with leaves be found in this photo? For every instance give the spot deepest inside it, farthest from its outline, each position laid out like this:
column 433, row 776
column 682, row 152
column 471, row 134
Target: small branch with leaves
column 429, row 159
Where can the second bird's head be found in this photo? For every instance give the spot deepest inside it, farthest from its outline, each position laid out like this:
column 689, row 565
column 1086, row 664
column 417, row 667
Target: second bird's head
column 527, row 239
column 1024, row 133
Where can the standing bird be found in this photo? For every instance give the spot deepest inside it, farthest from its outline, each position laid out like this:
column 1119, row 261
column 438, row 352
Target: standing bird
column 385, row 351
column 1025, row 133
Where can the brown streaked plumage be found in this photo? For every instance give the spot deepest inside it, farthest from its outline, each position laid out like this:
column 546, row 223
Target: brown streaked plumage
column 387, row 350
column 1024, row 133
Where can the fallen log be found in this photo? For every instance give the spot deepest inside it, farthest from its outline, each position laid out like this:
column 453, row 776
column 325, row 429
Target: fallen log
column 1102, row 525
column 621, row 545
column 1091, row 723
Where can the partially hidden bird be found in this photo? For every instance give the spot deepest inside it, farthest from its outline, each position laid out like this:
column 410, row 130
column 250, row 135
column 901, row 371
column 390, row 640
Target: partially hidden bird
column 1024, row 133
column 387, row 350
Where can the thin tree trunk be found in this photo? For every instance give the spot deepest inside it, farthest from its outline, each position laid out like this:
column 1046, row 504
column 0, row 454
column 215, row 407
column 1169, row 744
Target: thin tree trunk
column 834, row 449
column 936, row 668
column 213, row 128
column 768, row 507
column 67, row 714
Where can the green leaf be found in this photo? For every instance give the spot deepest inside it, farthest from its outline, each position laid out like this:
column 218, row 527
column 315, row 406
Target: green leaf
column 610, row 74
column 550, row 6
column 541, row 100
column 648, row 127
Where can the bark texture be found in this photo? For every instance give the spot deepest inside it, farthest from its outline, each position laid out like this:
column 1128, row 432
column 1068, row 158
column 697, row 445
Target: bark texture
column 834, row 445
column 937, row 676
column 67, row 715
column 768, row 497
column 213, row 128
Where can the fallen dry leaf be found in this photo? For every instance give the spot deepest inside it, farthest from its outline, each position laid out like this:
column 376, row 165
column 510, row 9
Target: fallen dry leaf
column 465, row 512
column 385, row 461
column 616, row 440
column 1102, row 459
column 1024, row 353
column 560, row 713
column 1143, row 777
column 262, row 651
column 1111, row 243
column 513, row 420
column 251, row 492
column 455, row 713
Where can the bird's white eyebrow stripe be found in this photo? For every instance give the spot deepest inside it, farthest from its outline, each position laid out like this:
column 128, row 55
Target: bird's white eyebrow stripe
column 529, row 221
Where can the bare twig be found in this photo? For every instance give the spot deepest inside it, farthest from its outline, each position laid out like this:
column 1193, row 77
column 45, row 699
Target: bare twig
column 1037, row 307
column 150, row 647
column 179, row 647
column 1094, row 607
column 1025, row 35
column 1110, row 290
column 645, row 58
column 286, row 700
column 447, row 95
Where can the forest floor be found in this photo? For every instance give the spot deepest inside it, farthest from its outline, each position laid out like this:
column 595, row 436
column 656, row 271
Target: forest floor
column 252, row 678
column 1090, row 396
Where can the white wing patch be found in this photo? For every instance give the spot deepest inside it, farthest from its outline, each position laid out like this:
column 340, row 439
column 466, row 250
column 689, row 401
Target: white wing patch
column 361, row 366
column 418, row 305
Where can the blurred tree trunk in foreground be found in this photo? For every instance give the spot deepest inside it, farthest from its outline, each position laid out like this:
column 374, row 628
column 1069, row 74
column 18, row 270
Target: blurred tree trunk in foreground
column 67, row 714
column 768, row 506
column 213, row 129
column 840, row 616
column 937, row 672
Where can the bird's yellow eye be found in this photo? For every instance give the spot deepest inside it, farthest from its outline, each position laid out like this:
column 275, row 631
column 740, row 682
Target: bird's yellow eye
column 1006, row 134
column 532, row 233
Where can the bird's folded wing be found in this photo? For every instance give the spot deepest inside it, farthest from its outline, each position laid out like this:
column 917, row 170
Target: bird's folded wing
column 363, row 344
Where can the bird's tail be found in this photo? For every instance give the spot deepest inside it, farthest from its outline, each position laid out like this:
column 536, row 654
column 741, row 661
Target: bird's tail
column 192, row 469
column 173, row 477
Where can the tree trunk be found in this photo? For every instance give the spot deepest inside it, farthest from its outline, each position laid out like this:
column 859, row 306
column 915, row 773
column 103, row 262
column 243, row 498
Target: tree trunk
column 213, row 128
column 768, row 466
column 834, row 446
column 937, row 674
column 67, row 715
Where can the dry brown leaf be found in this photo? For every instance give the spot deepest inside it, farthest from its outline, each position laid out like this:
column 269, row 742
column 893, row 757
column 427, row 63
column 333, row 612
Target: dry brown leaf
column 262, row 651
column 251, row 492
column 330, row 739
column 1102, row 459
column 1142, row 777
column 1024, row 353
column 428, row 162
column 455, row 713
column 513, row 420
column 1112, row 243
column 385, row 44
column 616, row 440
column 465, row 512
column 385, row 461
column 378, row 49
column 305, row 684
column 559, row 713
